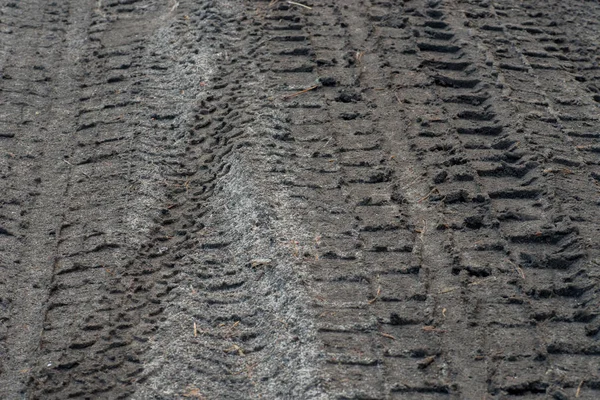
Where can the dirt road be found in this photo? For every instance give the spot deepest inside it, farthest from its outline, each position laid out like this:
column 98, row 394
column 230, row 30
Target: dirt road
column 361, row 199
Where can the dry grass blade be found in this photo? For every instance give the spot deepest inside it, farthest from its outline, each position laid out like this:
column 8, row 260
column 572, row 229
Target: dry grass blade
column 430, row 328
column 373, row 300
column 448, row 290
column 300, row 5
column 578, row 392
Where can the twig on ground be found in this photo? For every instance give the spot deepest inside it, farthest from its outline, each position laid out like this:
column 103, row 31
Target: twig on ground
column 261, row 262
column 426, row 362
column 430, row 328
column 235, row 349
column 326, row 143
column 518, row 268
column 428, row 194
column 300, row 92
column 89, row 177
column 411, row 183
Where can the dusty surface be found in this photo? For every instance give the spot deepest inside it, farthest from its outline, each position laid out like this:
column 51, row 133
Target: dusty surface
column 181, row 218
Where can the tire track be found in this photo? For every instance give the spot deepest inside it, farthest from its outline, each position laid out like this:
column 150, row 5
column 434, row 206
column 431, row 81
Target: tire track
column 374, row 200
column 371, row 278
column 35, row 175
column 103, row 295
column 556, row 125
column 237, row 317
column 104, row 301
column 486, row 191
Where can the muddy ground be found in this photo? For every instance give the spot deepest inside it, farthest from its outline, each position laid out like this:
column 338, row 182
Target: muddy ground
column 358, row 199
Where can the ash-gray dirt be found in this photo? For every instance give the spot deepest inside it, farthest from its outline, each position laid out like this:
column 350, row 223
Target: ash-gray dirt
column 182, row 218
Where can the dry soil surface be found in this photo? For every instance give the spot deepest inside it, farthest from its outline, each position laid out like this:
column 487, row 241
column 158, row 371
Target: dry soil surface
column 322, row 199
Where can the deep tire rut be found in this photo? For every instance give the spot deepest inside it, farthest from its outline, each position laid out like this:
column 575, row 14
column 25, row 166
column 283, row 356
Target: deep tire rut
column 272, row 199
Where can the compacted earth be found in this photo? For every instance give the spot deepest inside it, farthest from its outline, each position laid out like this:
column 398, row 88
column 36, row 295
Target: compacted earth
column 322, row 199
